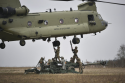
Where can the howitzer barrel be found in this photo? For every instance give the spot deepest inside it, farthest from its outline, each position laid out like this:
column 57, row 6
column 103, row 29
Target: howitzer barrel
column 98, row 63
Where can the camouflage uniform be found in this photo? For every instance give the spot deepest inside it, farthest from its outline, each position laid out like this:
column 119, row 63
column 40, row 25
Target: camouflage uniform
column 57, row 51
column 41, row 63
column 75, row 54
column 80, row 65
column 71, row 59
column 49, row 61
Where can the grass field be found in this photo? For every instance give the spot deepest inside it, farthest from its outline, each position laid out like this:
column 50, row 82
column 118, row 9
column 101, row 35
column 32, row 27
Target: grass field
column 90, row 75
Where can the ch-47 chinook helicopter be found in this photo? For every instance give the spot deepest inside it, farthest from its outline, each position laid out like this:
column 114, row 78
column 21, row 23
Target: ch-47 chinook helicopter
column 16, row 23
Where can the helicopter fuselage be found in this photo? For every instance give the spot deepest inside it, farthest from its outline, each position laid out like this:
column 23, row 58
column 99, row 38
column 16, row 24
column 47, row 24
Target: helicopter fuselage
column 50, row 24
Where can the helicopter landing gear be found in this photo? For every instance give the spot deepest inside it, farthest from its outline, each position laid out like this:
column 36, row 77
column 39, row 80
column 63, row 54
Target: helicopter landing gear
column 56, row 43
column 2, row 45
column 22, row 42
column 75, row 40
column 44, row 39
column 33, row 40
column 49, row 39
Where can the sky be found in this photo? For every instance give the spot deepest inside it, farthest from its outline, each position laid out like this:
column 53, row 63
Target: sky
column 103, row 46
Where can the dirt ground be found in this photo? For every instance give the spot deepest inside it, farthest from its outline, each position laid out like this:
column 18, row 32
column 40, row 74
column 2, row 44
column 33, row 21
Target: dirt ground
column 90, row 75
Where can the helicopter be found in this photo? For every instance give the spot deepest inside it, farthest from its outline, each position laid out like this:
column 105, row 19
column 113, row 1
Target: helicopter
column 16, row 23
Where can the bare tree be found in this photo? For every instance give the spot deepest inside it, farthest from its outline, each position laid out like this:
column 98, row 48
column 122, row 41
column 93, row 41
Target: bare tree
column 121, row 55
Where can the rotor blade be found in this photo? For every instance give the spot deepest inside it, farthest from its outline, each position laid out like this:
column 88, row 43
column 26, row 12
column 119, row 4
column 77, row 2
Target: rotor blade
column 110, row 2
column 104, row 2
column 61, row 0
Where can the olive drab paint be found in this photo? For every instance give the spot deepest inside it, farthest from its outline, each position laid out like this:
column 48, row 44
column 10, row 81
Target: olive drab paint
column 27, row 25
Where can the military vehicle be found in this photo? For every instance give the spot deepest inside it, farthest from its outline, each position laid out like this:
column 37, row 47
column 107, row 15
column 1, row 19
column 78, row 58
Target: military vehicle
column 16, row 23
column 56, row 67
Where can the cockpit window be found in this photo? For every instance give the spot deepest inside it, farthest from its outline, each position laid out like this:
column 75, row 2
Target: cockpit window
column 90, row 17
column 99, row 16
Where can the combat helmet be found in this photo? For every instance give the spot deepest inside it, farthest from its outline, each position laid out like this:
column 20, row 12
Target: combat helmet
column 42, row 58
column 62, row 57
column 76, row 47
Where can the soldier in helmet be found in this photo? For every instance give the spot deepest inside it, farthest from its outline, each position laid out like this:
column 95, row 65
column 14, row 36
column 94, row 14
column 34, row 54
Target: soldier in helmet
column 57, row 51
column 41, row 61
column 75, row 53
column 49, row 61
column 80, row 65
column 63, row 63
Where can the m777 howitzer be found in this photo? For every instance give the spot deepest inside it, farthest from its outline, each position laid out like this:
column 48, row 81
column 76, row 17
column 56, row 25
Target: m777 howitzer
column 57, row 67
column 68, row 67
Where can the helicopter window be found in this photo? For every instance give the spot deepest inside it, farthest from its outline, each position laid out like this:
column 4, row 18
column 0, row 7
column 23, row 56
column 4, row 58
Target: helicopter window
column 61, row 21
column 99, row 16
column 76, row 20
column 29, row 23
column 90, row 17
column 45, row 22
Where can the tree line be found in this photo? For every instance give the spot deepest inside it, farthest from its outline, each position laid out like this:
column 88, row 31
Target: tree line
column 119, row 60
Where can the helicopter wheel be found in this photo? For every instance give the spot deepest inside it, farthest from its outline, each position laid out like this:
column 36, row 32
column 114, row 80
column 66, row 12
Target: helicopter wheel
column 76, row 40
column 2, row 45
column 22, row 42
column 56, row 43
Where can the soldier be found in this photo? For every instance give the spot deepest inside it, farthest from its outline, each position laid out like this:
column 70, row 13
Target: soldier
column 80, row 65
column 75, row 53
column 49, row 61
column 63, row 63
column 71, row 59
column 57, row 51
column 41, row 61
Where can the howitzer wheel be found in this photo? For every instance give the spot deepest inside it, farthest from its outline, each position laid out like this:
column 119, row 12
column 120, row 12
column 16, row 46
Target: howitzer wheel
column 2, row 45
column 75, row 40
column 71, row 67
column 56, row 43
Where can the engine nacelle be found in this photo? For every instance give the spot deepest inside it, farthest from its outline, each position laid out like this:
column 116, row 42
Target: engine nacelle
column 8, row 11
